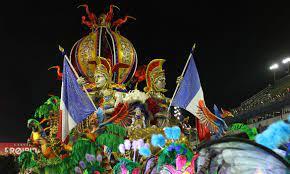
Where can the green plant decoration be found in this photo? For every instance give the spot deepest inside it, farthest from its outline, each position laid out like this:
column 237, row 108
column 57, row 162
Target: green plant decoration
column 251, row 132
column 51, row 104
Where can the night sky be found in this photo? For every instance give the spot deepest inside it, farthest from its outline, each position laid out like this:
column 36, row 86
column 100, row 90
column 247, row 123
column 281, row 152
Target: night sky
column 236, row 43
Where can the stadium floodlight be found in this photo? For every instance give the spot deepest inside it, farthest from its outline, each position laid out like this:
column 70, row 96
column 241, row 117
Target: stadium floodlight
column 286, row 60
column 274, row 66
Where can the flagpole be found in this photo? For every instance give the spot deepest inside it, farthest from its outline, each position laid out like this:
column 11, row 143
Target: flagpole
column 182, row 74
column 76, row 74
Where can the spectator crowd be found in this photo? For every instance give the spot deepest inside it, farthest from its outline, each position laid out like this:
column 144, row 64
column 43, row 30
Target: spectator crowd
column 264, row 97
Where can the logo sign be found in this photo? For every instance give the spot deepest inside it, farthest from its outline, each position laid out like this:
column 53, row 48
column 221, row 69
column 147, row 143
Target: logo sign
column 15, row 148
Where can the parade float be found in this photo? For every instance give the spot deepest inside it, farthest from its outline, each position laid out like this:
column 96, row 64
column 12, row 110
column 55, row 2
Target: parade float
column 103, row 122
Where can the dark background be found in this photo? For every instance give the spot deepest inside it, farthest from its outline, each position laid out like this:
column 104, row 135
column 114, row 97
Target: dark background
column 236, row 43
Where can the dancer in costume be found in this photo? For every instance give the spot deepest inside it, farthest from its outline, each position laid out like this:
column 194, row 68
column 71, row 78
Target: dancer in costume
column 137, row 109
column 157, row 102
column 103, row 92
column 38, row 138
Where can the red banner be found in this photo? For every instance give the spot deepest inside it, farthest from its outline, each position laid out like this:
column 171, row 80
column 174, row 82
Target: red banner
column 15, row 148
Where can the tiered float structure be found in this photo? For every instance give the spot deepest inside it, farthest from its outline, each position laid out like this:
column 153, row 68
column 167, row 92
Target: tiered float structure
column 132, row 130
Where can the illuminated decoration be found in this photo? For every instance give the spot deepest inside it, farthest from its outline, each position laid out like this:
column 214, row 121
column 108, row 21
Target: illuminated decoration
column 102, row 41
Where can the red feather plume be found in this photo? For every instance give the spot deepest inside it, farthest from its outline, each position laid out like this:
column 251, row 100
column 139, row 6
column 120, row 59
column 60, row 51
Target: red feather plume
column 121, row 21
column 140, row 73
column 92, row 16
column 85, row 22
column 59, row 74
column 110, row 14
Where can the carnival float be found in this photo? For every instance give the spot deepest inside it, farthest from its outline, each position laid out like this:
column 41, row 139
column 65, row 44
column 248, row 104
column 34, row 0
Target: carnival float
column 103, row 122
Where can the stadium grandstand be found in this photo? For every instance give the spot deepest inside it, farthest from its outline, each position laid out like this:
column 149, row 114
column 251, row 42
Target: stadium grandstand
column 267, row 106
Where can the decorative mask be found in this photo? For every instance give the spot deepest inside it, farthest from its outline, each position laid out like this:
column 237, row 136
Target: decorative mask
column 155, row 76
